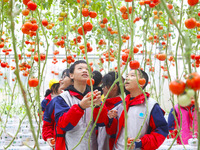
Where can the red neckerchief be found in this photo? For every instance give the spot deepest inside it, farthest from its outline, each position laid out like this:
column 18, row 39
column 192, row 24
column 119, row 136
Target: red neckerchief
column 136, row 101
column 72, row 93
column 189, row 110
column 48, row 97
column 112, row 102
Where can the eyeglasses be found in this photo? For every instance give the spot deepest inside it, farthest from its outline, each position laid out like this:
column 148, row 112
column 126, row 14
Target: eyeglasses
column 64, row 75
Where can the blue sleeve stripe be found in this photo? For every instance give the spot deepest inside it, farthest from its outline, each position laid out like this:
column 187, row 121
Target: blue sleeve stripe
column 68, row 127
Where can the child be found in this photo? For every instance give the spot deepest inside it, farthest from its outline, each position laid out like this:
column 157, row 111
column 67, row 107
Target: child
column 189, row 122
column 105, row 141
column 155, row 128
column 97, row 76
column 49, row 133
column 52, row 92
column 72, row 109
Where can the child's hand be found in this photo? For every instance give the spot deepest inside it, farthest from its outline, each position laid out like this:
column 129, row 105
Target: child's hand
column 86, row 101
column 51, row 142
column 97, row 99
column 112, row 114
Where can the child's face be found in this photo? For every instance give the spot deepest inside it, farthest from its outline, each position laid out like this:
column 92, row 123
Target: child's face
column 65, row 82
column 131, row 80
column 80, row 72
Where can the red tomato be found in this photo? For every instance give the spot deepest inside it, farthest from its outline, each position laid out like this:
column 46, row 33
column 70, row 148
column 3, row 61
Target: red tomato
column 192, row 2
column 44, row 22
column 87, row 26
column 134, row 64
column 31, row 5
column 25, row 2
column 80, row 31
column 129, row 141
column 1, row 44
column 193, row 81
column 25, row 12
column 123, row 9
column 142, row 81
column 88, row 82
column 177, row 87
column 3, row 64
column 93, row 14
column 53, row 141
column 85, row 12
column 162, row 57
column 90, row 94
column 190, row 23
column 33, row 82
column 105, row 20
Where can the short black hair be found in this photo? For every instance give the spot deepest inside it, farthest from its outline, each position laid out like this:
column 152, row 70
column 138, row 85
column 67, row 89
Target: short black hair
column 72, row 67
column 97, row 76
column 109, row 79
column 54, row 88
column 65, row 73
column 144, row 75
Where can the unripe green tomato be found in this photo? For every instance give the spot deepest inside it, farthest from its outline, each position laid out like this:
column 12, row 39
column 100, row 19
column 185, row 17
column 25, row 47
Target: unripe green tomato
column 184, row 100
column 190, row 92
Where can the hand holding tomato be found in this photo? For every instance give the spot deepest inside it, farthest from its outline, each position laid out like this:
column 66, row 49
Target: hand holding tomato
column 130, row 140
column 86, row 101
column 51, row 142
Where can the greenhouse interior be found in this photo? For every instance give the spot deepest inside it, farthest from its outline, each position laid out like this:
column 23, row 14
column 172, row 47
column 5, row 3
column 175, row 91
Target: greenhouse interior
column 99, row 74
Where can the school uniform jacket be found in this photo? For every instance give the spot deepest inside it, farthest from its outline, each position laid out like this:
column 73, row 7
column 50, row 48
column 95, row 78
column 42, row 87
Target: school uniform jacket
column 70, row 117
column 104, row 140
column 49, row 129
column 154, row 130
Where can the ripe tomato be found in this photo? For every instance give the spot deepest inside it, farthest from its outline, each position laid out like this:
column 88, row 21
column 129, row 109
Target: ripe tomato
column 34, row 27
column 192, row 2
column 33, row 82
column 130, row 140
column 142, row 81
column 25, row 2
column 90, row 94
column 87, row 26
column 53, row 141
column 177, row 87
column 193, row 81
column 105, row 20
column 162, row 57
column 85, row 12
column 134, row 64
column 42, row 57
column 88, row 82
column 1, row 44
column 36, row 58
column 44, row 22
column 28, row 25
column 3, row 64
column 25, row 12
column 31, row 5
column 123, row 9
column 190, row 23
column 170, row 6
column 135, row 50
column 80, row 31
column 93, row 14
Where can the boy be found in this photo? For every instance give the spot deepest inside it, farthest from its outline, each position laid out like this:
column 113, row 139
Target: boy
column 155, row 128
column 72, row 109
column 49, row 133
